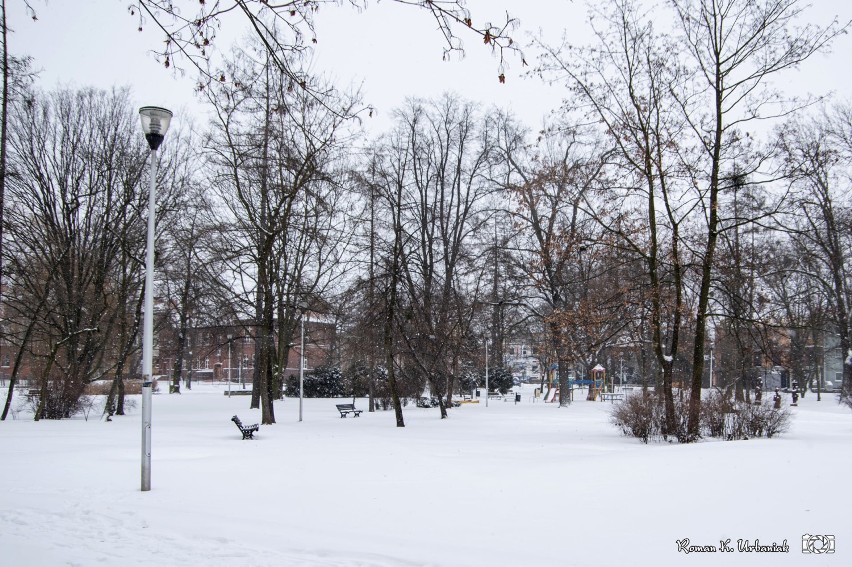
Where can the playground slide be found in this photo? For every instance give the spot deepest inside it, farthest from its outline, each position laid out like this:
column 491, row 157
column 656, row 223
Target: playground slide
column 551, row 394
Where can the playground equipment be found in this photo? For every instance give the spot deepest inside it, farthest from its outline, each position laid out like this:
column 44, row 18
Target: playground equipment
column 596, row 385
column 599, row 380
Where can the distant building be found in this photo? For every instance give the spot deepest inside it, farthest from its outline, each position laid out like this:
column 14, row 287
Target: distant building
column 522, row 360
column 216, row 352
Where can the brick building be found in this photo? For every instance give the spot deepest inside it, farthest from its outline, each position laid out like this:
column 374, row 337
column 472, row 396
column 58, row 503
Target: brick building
column 216, row 352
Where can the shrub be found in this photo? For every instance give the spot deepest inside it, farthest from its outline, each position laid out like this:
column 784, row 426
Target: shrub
column 103, row 387
column 639, row 415
column 643, row 416
column 762, row 420
column 714, row 410
column 322, row 382
column 468, row 381
column 499, row 379
column 59, row 404
column 357, row 378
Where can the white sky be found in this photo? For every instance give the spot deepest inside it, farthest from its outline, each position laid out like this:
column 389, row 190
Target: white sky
column 393, row 50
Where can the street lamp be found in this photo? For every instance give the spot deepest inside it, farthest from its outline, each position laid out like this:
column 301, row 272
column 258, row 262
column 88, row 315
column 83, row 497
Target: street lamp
column 189, row 372
column 155, row 124
column 486, row 373
column 229, row 364
column 302, row 361
column 711, row 365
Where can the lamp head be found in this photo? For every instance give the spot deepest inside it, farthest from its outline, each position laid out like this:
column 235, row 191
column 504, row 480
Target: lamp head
column 155, row 124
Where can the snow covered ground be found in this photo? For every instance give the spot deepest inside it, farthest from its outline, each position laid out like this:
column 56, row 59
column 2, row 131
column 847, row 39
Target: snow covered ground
column 507, row 485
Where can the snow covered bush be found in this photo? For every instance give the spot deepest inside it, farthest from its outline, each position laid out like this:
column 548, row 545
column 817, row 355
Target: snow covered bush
column 755, row 420
column 357, row 379
column 643, row 416
column 468, row 381
column 726, row 418
column 714, row 410
column 322, row 382
column 639, row 415
column 499, row 379
column 58, row 404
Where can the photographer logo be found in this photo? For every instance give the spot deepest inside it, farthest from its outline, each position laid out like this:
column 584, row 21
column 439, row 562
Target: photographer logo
column 817, row 543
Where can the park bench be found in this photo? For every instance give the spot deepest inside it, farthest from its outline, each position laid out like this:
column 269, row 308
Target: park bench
column 247, row 431
column 345, row 409
column 611, row 396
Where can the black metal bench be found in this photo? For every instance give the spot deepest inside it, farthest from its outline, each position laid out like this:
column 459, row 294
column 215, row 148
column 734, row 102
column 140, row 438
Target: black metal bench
column 247, row 431
column 345, row 409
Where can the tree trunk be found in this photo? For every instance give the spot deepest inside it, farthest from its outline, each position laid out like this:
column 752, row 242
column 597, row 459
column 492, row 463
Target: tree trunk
column 390, row 314
column 563, row 371
column 4, row 109
column 19, row 357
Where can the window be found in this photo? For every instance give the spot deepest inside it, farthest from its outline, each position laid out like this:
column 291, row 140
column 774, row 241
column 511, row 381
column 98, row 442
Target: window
column 5, row 360
column 247, row 339
column 206, row 362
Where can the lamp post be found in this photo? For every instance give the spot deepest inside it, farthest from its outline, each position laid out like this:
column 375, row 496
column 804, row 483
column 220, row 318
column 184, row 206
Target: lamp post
column 155, row 124
column 486, row 373
column 189, row 373
column 229, row 365
column 711, row 366
column 302, row 366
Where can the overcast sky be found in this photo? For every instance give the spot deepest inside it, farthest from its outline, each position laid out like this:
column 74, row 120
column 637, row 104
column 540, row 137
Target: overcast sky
column 393, row 51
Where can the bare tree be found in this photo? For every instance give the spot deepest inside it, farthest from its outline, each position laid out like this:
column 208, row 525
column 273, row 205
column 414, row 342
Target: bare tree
column 549, row 185
column 193, row 288
column 277, row 155
column 653, row 93
column 389, row 167
column 626, row 81
column 449, row 153
column 818, row 158
column 736, row 48
column 77, row 161
column 16, row 78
